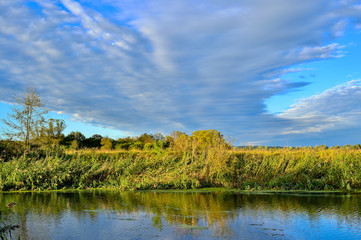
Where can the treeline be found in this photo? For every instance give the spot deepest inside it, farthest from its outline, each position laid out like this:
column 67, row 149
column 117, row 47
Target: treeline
column 177, row 139
column 54, row 142
column 57, row 144
column 76, row 140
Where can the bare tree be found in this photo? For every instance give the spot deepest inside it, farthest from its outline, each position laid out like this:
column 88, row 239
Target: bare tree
column 27, row 117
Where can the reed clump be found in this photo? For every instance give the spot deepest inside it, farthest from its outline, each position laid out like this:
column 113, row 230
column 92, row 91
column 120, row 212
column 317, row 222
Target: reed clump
column 300, row 169
column 190, row 162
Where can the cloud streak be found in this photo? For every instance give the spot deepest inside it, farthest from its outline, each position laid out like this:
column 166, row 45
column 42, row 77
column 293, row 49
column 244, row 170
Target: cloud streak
column 160, row 66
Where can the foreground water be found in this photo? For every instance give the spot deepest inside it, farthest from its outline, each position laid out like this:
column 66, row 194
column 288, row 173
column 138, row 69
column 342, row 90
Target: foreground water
column 182, row 215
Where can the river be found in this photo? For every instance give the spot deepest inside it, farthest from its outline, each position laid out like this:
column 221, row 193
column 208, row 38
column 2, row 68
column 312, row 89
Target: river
column 182, row 215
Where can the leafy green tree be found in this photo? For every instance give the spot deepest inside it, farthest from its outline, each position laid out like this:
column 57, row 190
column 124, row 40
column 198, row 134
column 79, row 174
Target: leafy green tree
column 93, row 142
column 27, row 117
column 97, row 136
column 124, row 143
column 10, row 149
column 145, row 138
column 148, row 146
column 137, row 145
column 74, row 136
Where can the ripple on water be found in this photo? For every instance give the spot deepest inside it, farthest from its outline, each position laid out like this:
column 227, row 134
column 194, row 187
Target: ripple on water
column 143, row 215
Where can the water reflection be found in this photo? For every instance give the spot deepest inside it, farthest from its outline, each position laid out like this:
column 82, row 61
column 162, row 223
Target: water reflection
column 162, row 215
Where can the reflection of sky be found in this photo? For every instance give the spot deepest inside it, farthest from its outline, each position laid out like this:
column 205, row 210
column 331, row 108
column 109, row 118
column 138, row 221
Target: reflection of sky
column 248, row 225
column 177, row 216
column 297, row 225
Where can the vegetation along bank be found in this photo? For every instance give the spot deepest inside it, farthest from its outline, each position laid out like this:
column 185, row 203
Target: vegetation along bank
column 189, row 162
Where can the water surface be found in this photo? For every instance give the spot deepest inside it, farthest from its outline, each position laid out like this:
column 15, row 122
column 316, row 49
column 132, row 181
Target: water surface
column 183, row 215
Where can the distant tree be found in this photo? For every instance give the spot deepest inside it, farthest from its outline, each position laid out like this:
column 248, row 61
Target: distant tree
column 74, row 136
column 97, row 136
column 145, row 138
column 158, row 136
column 124, row 143
column 53, row 133
column 347, row 146
column 322, row 147
column 55, row 128
column 27, row 117
column 106, row 143
column 176, row 134
column 137, row 145
column 92, row 142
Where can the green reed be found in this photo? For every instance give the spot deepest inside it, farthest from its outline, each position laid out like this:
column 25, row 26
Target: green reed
column 257, row 169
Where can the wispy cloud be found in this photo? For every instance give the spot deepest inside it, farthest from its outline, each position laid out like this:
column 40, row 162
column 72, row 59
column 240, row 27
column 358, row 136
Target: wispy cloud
column 149, row 66
column 335, row 108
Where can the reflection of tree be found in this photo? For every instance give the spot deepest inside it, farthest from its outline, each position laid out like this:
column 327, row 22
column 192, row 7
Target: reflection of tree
column 214, row 210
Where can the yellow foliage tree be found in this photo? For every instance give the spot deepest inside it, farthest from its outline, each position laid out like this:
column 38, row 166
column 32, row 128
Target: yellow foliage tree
column 106, row 144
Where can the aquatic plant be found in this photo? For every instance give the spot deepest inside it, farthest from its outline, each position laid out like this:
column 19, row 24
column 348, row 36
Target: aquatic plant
column 6, row 229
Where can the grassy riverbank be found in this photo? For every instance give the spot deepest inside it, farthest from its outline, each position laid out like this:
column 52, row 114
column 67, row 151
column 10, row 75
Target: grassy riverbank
column 266, row 169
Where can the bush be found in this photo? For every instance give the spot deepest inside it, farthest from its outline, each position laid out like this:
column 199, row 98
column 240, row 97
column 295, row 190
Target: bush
column 10, row 149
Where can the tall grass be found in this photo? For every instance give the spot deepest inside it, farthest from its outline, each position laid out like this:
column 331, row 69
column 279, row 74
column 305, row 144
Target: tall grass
column 259, row 169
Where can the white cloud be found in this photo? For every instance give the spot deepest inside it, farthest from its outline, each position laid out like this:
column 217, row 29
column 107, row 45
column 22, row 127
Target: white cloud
column 336, row 108
column 158, row 66
column 320, row 52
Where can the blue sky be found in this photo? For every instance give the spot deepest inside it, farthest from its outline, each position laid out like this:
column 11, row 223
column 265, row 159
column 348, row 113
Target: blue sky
column 280, row 72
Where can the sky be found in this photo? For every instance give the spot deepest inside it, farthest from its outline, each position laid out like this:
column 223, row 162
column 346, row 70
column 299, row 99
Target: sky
column 281, row 72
